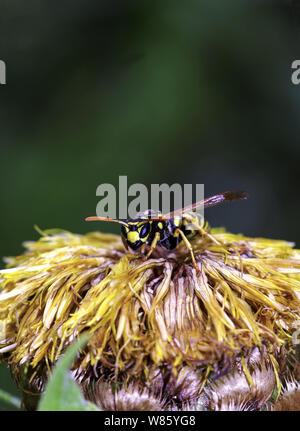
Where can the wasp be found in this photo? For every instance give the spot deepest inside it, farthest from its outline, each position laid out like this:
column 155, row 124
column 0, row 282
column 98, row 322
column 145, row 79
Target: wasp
column 152, row 228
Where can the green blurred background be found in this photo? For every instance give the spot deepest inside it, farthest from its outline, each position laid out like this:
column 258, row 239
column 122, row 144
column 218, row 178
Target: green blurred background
column 163, row 92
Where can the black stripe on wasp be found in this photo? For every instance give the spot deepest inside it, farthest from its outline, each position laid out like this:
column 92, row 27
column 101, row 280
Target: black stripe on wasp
column 152, row 228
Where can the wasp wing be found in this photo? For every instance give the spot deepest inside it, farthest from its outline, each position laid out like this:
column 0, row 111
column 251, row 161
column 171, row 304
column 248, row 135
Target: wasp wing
column 211, row 201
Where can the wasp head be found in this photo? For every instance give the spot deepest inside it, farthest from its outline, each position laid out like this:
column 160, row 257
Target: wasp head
column 136, row 232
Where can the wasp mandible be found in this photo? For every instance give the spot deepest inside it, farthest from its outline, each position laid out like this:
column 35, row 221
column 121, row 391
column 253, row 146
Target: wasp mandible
column 153, row 228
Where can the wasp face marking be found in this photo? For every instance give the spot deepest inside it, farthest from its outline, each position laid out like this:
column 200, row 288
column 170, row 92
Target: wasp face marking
column 133, row 237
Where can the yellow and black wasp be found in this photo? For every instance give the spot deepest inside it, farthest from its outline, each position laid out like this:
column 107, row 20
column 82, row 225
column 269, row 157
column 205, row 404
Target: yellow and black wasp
column 152, row 228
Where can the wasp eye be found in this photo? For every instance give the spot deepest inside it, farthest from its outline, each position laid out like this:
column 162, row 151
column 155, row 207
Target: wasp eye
column 124, row 230
column 144, row 230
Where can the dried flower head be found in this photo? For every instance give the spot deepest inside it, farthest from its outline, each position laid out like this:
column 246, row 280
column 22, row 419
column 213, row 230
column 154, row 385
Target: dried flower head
column 241, row 391
column 156, row 320
column 134, row 396
column 290, row 397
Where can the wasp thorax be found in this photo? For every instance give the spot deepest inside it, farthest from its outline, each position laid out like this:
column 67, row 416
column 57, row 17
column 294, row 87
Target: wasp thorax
column 148, row 214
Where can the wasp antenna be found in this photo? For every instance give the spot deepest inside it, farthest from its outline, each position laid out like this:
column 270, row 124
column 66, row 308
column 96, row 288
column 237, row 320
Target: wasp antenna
column 96, row 218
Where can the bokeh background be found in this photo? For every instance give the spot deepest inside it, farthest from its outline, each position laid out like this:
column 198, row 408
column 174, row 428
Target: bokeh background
column 163, row 92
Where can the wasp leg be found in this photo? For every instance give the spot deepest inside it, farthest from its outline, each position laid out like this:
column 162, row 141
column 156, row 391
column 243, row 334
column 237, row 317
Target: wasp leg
column 200, row 229
column 143, row 248
column 204, row 233
column 188, row 245
column 153, row 245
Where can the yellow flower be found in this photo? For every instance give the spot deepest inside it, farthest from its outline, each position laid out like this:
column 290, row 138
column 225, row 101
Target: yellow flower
column 153, row 319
